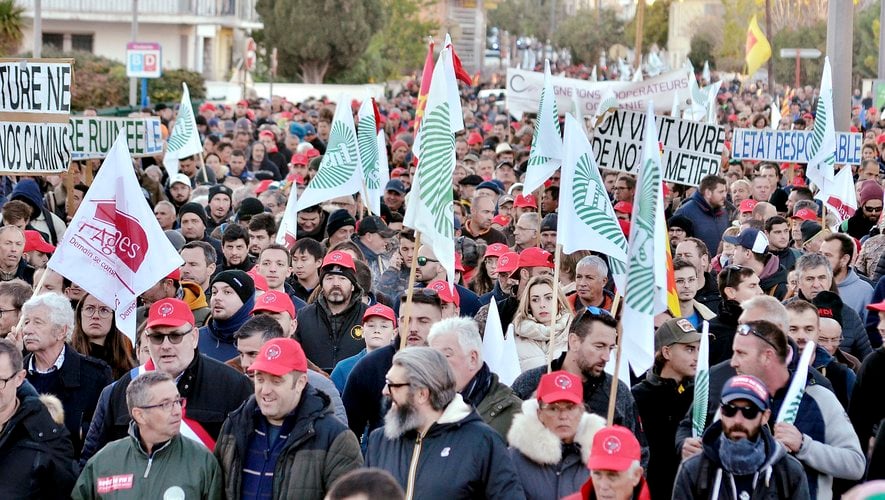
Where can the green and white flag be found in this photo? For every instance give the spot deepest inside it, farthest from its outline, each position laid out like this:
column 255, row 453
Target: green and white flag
column 790, row 406
column 429, row 208
column 645, row 294
column 185, row 138
column 712, row 92
column 546, row 153
column 823, row 139
column 608, row 102
column 701, row 385
column 373, row 164
column 339, row 173
column 586, row 218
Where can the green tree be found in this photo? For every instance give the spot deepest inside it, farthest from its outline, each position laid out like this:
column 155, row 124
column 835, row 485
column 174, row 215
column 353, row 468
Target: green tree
column 586, row 36
column 702, row 49
column 11, row 26
column 316, row 38
column 168, row 88
column 809, row 37
column 526, row 17
column 655, row 26
column 866, row 42
column 731, row 51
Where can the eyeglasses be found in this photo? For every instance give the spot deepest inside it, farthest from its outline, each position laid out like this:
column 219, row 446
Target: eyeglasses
column 391, row 386
column 4, row 311
column 103, row 312
column 168, row 405
column 872, row 209
column 598, row 311
column 174, row 338
column 422, row 261
column 4, row 381
column 730, row 410
column 749, row 330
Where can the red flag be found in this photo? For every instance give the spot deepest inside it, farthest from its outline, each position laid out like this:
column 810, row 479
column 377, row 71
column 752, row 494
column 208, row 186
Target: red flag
column 460, row 72
column 377, row 116
column 426, row 75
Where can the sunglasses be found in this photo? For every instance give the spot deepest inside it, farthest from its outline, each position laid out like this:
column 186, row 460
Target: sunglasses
column 745, row 330
column 748, row 412
column 872, row 209
column 598, row 311
column 422, row 261
column 174, row 338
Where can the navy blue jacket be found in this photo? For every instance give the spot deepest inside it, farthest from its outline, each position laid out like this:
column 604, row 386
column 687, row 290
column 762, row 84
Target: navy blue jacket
column 708, row 224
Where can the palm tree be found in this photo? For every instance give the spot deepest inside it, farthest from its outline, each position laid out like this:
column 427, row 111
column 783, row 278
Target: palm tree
column 11, row 25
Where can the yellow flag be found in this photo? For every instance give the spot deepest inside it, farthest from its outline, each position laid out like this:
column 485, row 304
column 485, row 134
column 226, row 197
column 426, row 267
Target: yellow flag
column 758, row 48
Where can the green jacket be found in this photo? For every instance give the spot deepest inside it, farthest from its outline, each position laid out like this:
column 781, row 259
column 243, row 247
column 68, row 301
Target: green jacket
column 181, row 468
column 499, row 407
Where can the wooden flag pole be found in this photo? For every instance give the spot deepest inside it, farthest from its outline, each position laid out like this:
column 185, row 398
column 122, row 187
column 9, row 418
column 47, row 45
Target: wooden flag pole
column 407, row 312
column 68, row 178
column 556, row 262
column 613, row 393
column 203, row 168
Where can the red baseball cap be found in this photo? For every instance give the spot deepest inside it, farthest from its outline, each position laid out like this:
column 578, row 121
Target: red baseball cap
column 312, row 153
column 263, row 186
column 534, row 257
column 878, row 306
column 34, row 241
column 614, row 448
column 527, row 201
column 381, row 311
column 274, row 301
column 747, row 205
column 398, row 171
column 624, row 207
column 174, row 275
column 339, row 258
column 501, row 220
column 459, row 266
column 207, row 106
column 560, row 386
column 243, row 102
column 474, row 138
column 299, row 159
column 169, row 312
column 805, row 214
column 445, row 293
column 259, row 280
column 508, row 262
column 880, row 139
column 496, row 250
column 280, row 356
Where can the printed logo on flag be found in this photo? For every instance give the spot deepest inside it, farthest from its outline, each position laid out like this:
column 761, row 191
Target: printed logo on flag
column 108, row 484
column 845, row 211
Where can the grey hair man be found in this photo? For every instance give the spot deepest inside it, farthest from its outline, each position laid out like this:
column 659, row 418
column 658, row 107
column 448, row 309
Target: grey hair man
column 458, row 452
column 591, row 276
column 458, row 340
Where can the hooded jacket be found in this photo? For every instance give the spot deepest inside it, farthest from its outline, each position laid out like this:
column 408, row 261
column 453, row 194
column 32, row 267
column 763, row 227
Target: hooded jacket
column 840, row 375
column 42, row 219
column 459, row 457
column 709, row 224
column 855, row 293
column 217, row 336
column 703, row 476
column 36, row 455
column 773, row 279
column 548, row 468
column 193, row 295
column 318, row 448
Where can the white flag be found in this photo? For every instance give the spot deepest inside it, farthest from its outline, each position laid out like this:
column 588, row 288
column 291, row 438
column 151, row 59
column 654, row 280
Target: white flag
column 712, row 92
column 674, row 109
column 370, row 156
column 114, row 247
column 823, row 139
column 790, row 406
column 184, row 141
column 775, row 115
column 545, row 155
column 646, row 290
column 497, row 351
column 429, row 210
column 839, row 195
column 339, row 173
column 697, row 109
column 593, row 74
column 288, row 231
column 705, row 74
column 637, row 74
column 586, row 218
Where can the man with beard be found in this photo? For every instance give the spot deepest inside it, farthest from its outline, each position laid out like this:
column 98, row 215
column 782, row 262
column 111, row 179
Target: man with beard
column 548, row 232
column 479, row 225
column 741, row 448
column 429, row 269
column 869, row 202
column 285, row 439
column 706, row 210
column 429, row 424
column 220, row 205
column 855, row 293
column 592, row 337
column 235, row 248
column 179, row 190
column 329, row 329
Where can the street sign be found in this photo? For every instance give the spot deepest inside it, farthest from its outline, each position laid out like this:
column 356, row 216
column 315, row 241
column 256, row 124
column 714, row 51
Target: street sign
column 800, row 53
column 143, row 60
column 251, row 49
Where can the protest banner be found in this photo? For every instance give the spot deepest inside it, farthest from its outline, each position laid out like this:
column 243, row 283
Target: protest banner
column 691, row 149
column 524, row 92
column 35, row 104
column 790, row 146
column 92, row 137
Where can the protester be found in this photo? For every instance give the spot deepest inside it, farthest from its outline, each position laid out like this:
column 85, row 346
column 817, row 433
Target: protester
column 615, row 470
column 96, row 334
column 233, row 298
column 13, row 295
column 366, row 484
column 541, row 323
column 706, row 210
column 591, row 276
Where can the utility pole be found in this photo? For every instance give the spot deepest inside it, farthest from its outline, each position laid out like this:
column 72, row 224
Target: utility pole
column 840, row 35
column 881, row 41
column 133, row 82
column 38, row 28
column 640, row 20
column 770, row 35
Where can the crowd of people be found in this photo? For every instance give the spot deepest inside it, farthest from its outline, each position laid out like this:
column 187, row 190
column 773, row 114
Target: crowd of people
column 263, row 370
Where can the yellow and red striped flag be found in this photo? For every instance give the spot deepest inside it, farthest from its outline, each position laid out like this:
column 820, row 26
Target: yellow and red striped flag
column 672, row 296
column 426, row 76
column 758, row 49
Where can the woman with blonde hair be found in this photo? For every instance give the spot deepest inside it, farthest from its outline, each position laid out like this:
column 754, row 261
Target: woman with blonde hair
column 532, row 323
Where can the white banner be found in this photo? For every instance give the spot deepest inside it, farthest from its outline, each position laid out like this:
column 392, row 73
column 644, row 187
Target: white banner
column 524, row 92
column 691, row 149
column 92, row 137
column 790, row 146
column 35, row 86
column 30, row 148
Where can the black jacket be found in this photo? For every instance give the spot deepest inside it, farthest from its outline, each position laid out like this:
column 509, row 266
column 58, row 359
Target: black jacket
column 709, row 294
column 459, row 457
column 325, row 345
column 867, row 406
column 81, row 380
column 775, row 284
column 212, row 389
column 36, row 456
column 662, row 402
column 722, row 329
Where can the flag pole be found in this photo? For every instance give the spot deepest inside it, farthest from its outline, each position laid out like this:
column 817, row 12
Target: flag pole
column 556, row 260
column 203, row 168
column 613, row 392
column 407, row 312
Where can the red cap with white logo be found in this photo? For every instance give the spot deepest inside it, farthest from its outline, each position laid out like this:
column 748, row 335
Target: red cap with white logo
column 170, row 312
column 614, row 448
column 560, row 386
column 444, row 292
column 280, row 356
column 381, row 311
column 274, row 301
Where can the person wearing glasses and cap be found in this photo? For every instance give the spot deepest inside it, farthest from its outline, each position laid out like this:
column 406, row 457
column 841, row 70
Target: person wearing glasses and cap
column 154, row 460
column 741, row 459
column 869, row 202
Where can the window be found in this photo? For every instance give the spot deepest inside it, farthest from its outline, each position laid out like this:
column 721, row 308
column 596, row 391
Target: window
column 82, row 42
column 54, row 40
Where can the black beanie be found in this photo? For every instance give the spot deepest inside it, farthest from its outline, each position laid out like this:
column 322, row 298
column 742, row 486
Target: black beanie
column 338, row 219
column 241, row 282
column 193, row 208
column 249, row 208
column 683, row 223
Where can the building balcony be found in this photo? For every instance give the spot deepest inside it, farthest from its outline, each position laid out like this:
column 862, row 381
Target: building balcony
column 229, row 13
